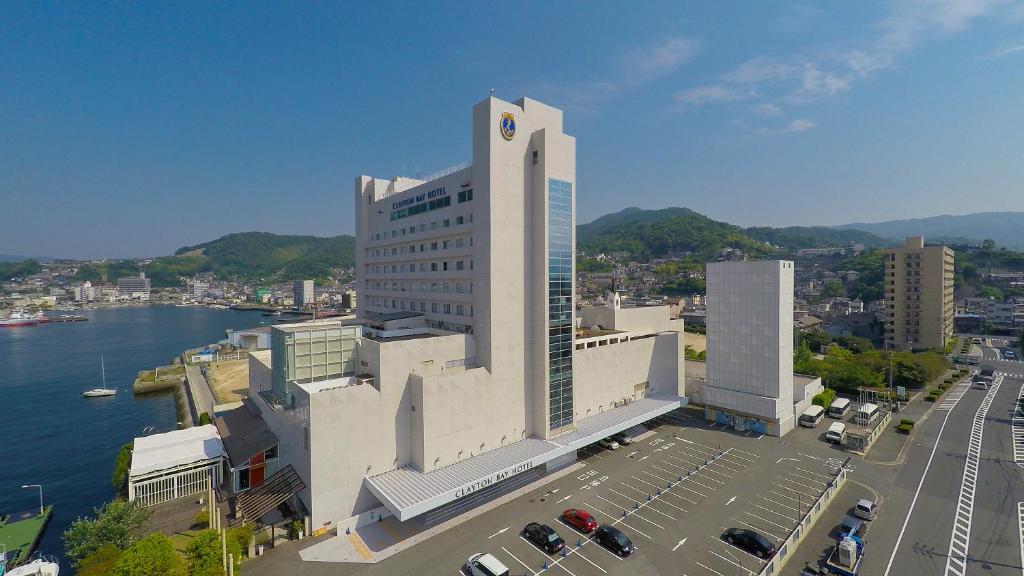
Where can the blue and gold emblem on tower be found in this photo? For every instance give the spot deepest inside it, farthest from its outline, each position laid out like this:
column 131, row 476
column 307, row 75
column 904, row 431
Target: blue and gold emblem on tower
column 508, row 125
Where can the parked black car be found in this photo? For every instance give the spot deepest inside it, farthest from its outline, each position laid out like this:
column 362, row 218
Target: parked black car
column 614, row 540
column 749, row 541
column 544, row 537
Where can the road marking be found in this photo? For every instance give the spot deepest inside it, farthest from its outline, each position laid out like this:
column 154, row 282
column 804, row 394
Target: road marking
column 532, row 571
column 815, row 480
column 784, row 479
column 667, row 503
column 1020, row 529
column 633, row 512
column 584, row 540
column 681, row 542
column 808, row 456
column 760, row 528
column 779, row 461
column 788, row 517
column 808, row 486
column 731, row 500
column 499, row 532
column 564, row 498
column 729, row 549
column 740, row 566
column 618, row 519
column 709, row 569
column 792, row 506
column 785, row 528
column 651, row 508
column 959, row 540
column 556, row 562
column 668, row 491
column 954, row 395
column 1017, row 432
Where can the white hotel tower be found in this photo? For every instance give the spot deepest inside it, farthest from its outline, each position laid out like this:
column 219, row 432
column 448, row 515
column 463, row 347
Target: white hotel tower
column 469, row 371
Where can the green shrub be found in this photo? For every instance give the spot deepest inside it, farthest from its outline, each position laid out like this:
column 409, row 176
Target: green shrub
column 907, row 421
column 122, row 465
column 242, row 535
column 824, row 398
column 203, row 518
column 204, row 419
column 905, row 428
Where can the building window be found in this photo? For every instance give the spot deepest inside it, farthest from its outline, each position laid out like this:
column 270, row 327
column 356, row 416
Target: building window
column 460, row 265
column 459, row 242
column 445, row 264
column 560, row 279
column 447, row 308
column 460, row 310
column 465, row 195
column 446, row 222
column 433, row 266
column 460, row 220
column 444, row 244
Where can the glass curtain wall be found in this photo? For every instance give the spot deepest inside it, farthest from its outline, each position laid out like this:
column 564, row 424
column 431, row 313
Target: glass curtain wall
column 560, row 278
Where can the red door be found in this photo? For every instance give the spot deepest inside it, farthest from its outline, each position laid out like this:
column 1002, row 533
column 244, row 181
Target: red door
column 256, row 470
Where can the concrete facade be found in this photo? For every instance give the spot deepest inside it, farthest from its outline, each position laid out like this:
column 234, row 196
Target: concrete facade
column 918, row 295
column 750, row 344
column 467, row 330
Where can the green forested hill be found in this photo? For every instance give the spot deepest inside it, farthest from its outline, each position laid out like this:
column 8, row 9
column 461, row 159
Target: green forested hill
column 655, row 233
column 256, row 255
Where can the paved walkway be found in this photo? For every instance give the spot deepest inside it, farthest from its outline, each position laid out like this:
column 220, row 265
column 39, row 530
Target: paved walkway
column 199, row 391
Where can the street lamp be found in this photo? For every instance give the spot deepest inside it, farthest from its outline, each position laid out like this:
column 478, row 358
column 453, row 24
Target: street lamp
column 40, row 487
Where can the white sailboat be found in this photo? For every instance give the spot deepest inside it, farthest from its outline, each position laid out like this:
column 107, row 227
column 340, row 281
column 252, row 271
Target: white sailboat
column 38, row 567
column 104, row 391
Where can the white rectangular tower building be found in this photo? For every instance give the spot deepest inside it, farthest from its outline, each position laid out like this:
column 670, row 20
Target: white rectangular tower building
column 750, row 345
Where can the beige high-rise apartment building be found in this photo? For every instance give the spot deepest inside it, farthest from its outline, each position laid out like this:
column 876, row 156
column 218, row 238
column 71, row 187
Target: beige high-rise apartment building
column 918, row 295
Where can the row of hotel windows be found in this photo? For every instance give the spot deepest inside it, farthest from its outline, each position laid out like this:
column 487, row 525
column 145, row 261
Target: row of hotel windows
column 436, row 224
column 413, row 305
column 443, row 266
column 435, row 204
column 411, row 249
column 460, row 287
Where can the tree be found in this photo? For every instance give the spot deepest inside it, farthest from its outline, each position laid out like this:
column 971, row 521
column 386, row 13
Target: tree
column 204, row 553
column 122, row 465
column 117, row 523
column 154, row 555
column 100, row 562
column 832, row 289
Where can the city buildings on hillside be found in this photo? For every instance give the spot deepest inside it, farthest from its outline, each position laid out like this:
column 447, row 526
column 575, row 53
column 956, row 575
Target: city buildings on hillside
column 133, row 285
column 919, row 295
column 302, row 293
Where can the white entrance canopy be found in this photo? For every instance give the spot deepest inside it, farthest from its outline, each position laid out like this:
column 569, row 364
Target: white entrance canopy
column 407, row 492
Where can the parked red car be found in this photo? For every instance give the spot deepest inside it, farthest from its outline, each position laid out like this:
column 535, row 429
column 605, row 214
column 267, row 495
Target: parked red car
column 580, row 520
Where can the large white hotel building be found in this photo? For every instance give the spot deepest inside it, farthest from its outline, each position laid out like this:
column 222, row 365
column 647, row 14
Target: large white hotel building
column 469, row 370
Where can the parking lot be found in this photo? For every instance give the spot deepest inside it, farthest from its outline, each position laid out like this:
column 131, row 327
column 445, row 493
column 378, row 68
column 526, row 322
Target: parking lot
column 673, row 493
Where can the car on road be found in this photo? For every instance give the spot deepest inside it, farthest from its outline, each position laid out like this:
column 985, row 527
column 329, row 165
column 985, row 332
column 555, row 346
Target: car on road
column 580, row 520
column 980, row 382
column 865, row 509
column 977, row 340
column 749, row 541
column 608, row 443
column 543, row 537
column 481, row 564
column 1009, row 355
column 613, row 539
column 623, row 438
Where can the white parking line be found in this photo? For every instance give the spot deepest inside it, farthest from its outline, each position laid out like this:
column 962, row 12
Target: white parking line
column 709, row 469
column 825, row 476
column 1017, row 433
column 547, row 559
column 742, row 567
column 693, row 478
column 779, row 514
column 694, row 502
column 583, row 540
column 808, row 486
column 649, row 506
column 663, row 501
column 784, row 527
column 760, row 528
column 792, row 506
column 618, row 519
column 709, row 569
column 809, row 479
column 632, row 513
column 784, row 479
column 532, row 571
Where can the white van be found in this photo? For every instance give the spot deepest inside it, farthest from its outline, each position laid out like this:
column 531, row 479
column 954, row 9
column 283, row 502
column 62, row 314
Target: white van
column 812, row 416
column 836, row 433
column 839, row 408
column 867, row 413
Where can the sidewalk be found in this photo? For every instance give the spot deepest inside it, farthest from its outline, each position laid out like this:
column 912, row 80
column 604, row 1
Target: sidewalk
column 199, row 392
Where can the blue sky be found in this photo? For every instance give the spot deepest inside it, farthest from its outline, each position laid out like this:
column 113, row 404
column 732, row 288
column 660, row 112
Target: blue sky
column 131, row 129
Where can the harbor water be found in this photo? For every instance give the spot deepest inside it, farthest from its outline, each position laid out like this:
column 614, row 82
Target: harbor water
column 51, row 435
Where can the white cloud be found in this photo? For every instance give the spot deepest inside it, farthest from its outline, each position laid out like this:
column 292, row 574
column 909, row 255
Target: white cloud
column 767, row 109
column 828, row 72
column 633, row 69
column 800, row 125
column 1008, row 51
column 712, row 93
